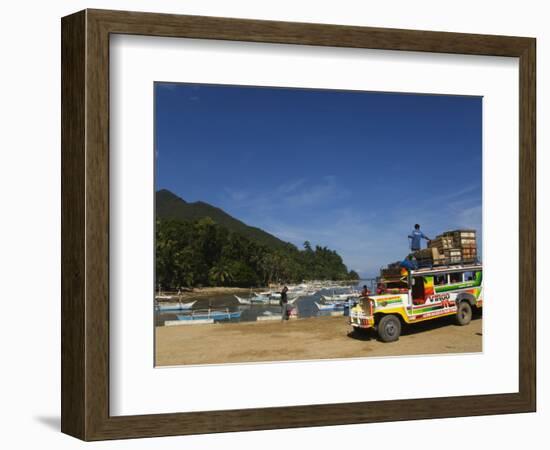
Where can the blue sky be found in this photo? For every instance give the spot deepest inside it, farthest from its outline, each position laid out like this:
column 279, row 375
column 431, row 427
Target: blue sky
column 350, row 170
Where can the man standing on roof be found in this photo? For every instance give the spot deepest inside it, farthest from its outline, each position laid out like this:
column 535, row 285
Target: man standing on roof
column 416, row 237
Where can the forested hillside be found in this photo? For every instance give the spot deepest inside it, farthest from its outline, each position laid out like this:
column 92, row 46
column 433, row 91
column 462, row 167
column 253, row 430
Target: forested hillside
column 195, row 249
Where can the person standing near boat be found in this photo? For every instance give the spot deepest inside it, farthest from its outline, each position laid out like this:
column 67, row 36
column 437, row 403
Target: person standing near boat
column 284, row 304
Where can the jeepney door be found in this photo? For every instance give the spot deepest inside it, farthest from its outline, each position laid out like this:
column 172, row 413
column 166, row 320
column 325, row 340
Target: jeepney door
column 418, row 294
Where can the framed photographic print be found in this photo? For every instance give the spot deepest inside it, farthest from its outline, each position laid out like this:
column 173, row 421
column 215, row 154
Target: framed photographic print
column 272, row 225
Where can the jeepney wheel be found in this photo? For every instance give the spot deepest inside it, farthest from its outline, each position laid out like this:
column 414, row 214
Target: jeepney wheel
column 464, row 313
column 389, row 329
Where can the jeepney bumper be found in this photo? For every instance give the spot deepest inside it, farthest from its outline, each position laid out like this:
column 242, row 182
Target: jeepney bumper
column 358, row 319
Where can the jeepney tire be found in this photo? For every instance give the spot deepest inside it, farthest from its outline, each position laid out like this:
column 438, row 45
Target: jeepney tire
column 463, row 313
column 389, row 328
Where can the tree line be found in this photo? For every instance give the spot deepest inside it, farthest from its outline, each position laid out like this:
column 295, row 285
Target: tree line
column 203, row 253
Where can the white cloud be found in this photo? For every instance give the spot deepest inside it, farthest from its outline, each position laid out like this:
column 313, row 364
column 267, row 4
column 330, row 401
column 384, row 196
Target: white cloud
column 236, row 195
column 300, row 210
column 291, row 186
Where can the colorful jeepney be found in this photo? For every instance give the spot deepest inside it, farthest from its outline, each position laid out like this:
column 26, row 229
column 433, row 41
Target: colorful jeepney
column 419, row 295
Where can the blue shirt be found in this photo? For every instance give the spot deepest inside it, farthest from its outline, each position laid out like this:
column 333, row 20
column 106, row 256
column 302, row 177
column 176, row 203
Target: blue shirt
column 415, row 237
column 409, row 265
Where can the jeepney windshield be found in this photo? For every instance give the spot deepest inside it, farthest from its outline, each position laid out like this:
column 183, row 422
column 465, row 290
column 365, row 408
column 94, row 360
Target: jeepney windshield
column 392, row 286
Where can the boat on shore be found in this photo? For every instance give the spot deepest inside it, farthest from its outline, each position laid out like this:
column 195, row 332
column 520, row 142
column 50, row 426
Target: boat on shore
column 261, row 300
column 340, row 297
column 334, row 298
column 255, row 299
column 179, row 306
column 207, row 314
column 243, row 301
column 332, row 306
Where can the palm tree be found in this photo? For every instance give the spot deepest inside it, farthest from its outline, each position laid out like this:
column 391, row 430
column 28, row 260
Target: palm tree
column 219, row 274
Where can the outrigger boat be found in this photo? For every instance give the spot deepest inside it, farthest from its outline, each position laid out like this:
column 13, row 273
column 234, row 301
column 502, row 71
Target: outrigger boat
column 337, row 298
column 271, row 295
column 163, row 297
column 256, row 299
column 175, row 306
column 243, row 301
column 274, row 295
column 259, row 299
column 210, row 314
column 331, row 306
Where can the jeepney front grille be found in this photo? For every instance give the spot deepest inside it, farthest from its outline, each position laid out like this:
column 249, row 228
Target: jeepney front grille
column 360, row 317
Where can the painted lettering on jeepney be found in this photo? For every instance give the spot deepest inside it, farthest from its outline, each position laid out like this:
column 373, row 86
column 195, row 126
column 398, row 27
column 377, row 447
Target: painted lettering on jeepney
column 445, row 299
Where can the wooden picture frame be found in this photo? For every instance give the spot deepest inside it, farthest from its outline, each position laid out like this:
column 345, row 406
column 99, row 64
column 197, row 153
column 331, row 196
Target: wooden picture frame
column 85, row 224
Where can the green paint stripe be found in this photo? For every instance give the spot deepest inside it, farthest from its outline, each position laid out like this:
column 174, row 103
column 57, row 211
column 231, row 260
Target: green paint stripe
column 389, row 302
column 454, row 287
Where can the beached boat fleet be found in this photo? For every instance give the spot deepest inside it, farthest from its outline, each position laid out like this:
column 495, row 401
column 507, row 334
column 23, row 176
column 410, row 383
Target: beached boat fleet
column 328, row 298
column 330, row 301
column 206, row 314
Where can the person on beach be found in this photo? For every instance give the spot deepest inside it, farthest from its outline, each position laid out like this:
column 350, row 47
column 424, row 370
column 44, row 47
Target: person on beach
column 416, row 236
column 284, row 304
column 365, row 292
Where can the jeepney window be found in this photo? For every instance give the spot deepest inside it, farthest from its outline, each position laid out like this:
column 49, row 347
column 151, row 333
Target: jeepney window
column 396, row 285
column 469, row 276
column 455, row 277
column 440, row 279
column 418, row 288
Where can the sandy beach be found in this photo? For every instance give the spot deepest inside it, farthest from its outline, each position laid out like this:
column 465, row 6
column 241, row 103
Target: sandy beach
column 302, row 339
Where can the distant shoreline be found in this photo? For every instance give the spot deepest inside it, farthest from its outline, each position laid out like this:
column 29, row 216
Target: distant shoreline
column 204, row 292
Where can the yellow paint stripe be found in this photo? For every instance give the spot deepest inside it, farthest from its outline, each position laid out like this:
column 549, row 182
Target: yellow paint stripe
column 402, row 312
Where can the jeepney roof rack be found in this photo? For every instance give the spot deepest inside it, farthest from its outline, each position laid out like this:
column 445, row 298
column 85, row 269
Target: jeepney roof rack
column 445, row 263
column 393, row 271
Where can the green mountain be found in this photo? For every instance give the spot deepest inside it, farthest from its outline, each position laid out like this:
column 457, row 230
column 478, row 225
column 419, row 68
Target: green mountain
column 170, row 206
